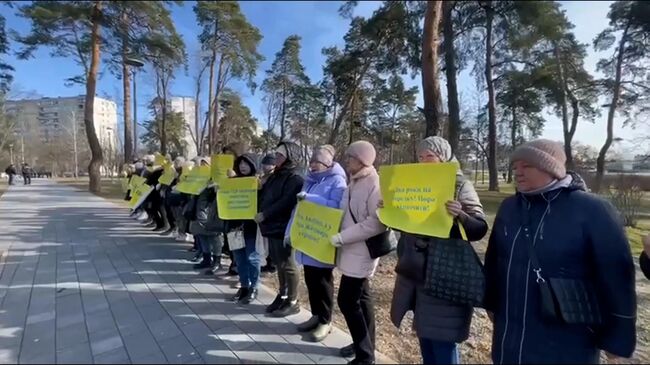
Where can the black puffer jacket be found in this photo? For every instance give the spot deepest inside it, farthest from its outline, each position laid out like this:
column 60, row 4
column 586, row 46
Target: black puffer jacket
column 278, row 195
column 207, row 220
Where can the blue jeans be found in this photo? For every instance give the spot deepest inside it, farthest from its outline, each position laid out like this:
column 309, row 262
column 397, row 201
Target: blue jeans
column 248, row 261
column 438, row 352
column 208, row 244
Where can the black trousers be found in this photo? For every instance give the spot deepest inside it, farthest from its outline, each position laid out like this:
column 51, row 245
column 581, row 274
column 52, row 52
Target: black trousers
column 288, row 276
column 153, row 205
column 27, row 179
column 358, row 309
column 320, row 286
column 167, row 208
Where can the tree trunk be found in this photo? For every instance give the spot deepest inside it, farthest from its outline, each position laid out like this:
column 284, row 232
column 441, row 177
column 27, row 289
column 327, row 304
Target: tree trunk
column 213, row 60
column 450, row 71
column 492, row 114
column 346, row 106
column 600, row 162
column 126, row 85
column 283, row 113
column 430, row 82
column 96, row 159
column 513, row 139
column 564, row 107
column 215, row 106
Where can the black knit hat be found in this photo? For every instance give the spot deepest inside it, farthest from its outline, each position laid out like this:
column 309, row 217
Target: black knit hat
column 269, row 159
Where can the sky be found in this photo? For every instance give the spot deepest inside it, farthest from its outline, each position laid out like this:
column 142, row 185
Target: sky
column 319, row 25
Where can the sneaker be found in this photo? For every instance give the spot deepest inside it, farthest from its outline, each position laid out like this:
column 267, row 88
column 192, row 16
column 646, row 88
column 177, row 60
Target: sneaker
column 206, row 263
column 189, row 238
column 310, row 325
column 288, row 308
column 196, row 258
column 320, row 332
column 277, row 303
column 250, row 297
column 347, row 351
column 241, row 293
column 235, row 285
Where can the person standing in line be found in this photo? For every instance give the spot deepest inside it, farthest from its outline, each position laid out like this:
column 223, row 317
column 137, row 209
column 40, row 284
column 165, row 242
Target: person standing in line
column 644, row 259
column 439, row 324
column 201, row 213
column 360, row 222
column 553, row 242
column 324, row 185
column 278, row 198
column 247, row 258
column 236, row 149
column 168, row 200
column 11, row 172
column 268, row 166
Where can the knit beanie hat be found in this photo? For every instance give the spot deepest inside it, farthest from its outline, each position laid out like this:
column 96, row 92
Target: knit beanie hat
column 437, row 145
column 544, row 154
column 363, row 151
column 324, row 154
column 269, row 160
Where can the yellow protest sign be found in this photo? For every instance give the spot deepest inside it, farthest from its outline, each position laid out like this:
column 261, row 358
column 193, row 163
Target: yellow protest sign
column 168, row 175
column 415, row 195
column 159, row 160
column 139, row 191
column 220, row 164
column 313, row 226
column 237, row 198
column 195, row 181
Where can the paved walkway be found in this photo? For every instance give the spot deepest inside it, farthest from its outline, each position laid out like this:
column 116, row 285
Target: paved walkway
column 82, row 283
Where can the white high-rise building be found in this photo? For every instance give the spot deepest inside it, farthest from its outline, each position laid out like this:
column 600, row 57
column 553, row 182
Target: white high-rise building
column 187, row 107
column 54, row 116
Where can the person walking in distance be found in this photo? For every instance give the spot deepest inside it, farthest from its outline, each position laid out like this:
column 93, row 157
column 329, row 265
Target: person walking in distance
column 560, row 283
column 324, row 185
column 11, row 173
column 360, row 222
column 27, row 174
column 278, row 198
column 439, row 324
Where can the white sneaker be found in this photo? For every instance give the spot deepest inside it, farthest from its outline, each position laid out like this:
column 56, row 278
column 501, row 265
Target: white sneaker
column 179, row 237
column 143, row 217
column 189, row 238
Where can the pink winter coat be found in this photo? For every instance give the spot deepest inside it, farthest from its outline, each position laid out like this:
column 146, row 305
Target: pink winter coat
column 362, row 197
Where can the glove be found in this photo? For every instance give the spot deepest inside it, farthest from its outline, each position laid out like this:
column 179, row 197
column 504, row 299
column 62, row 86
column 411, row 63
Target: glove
column 259, row 218
column 336, row 240
column 301, row 195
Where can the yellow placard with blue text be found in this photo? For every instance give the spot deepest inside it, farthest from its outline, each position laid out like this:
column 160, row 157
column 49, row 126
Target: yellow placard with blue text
column 237, row 198
column 195, row 181
column 168, row 175
column 139, row 191
column 220, row 164
column 313, row 226
column 415, row 195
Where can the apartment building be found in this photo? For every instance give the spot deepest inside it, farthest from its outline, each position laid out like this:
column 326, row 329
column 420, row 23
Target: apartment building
column 187, row 107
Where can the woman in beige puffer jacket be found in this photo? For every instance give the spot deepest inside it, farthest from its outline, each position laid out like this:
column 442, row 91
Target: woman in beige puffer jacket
column 360, row 222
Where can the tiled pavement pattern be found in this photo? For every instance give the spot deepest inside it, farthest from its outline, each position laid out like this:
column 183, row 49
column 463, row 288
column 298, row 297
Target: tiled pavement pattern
column 80, row 282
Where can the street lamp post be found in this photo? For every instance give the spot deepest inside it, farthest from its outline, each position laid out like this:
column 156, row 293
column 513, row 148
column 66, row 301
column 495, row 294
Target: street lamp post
column 135, row 63
column 11, row 153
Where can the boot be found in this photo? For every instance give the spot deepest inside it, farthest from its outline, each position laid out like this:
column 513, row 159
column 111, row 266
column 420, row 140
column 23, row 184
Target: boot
column 207, row 262
column 289, row 307
column 250, row 296
column 320, row 332
column 347, row 351
column 310, row 325
column 277, row 303
column 241, row 293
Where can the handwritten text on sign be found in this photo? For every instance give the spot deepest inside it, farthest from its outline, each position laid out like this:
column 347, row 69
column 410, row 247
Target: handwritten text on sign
column 312, row 227
column 237, row 198
column 415, row 195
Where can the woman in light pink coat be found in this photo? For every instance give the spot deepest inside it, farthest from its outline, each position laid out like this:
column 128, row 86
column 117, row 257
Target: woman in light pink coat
column 360, row 222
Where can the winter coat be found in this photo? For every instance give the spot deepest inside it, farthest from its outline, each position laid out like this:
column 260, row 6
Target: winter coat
column 207, row 222
column 361, row 198
column 278, row 195
column 576, row 235
column 11, row 170
column 644, row 262
column 324, row 188
column 438, row 319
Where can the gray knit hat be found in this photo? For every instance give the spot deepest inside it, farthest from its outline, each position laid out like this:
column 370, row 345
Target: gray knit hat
column 545, row 155
column 437, row 145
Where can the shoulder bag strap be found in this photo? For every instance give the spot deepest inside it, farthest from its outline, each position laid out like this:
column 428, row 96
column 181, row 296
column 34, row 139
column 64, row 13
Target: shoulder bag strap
column 349, row 208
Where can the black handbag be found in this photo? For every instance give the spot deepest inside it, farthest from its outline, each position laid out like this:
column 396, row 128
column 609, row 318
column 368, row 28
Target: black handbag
column 570, row 301
column 379, row 245
column 454, row 272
